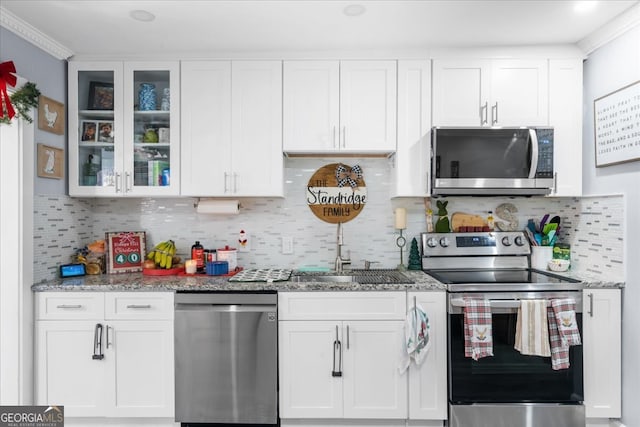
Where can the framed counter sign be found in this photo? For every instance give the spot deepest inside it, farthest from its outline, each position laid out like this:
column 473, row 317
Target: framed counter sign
column 125, row 251
column 617, row 126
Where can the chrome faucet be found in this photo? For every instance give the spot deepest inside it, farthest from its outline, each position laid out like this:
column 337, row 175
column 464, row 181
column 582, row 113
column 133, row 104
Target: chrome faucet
column 340, row 261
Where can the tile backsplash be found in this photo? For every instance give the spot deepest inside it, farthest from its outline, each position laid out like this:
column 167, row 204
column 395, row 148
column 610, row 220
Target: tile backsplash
column 592, row 226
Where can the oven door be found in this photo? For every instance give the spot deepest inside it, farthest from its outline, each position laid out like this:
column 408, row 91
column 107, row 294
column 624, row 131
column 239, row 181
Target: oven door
column 508, row 376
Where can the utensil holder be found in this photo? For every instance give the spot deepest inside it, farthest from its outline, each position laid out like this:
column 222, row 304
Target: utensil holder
column 540, row 256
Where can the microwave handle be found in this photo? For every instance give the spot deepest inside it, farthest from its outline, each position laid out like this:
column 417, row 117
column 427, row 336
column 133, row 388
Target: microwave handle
column 534, row 153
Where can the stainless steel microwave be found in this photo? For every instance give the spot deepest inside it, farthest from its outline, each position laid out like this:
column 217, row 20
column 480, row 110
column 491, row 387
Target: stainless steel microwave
column 492, row 161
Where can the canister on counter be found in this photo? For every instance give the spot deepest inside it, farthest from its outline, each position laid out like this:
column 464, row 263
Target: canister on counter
column 230, row 255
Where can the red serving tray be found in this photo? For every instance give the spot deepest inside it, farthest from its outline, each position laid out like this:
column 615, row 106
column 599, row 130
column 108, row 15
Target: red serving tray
column 162, row 271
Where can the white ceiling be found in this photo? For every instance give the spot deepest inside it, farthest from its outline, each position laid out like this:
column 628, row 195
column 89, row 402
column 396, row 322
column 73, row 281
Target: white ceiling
column 202, row 27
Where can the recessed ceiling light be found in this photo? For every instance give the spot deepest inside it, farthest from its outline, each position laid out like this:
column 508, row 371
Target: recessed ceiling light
column 354, row 10
column 142, row 15
column 585, row 6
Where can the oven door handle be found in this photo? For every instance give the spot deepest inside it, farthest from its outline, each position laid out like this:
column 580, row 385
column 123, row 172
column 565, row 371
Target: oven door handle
column 504, row 304
column 459, row 302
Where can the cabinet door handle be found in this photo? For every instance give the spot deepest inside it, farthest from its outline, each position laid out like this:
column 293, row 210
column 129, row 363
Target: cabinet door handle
column 118, row 182
column 347, row 337
column 139, row 306
column 97, row 343
column 109, row 343
column 334, row 137
column 590, row 295
column 336, row 370
column 484, row 113
column 127, row 182
column 555, row 183
column 69, row 306
column 494, row 113
column 226, row 175
column 344, row 137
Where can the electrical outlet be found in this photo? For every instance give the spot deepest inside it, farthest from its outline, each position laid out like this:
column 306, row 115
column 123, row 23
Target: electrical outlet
column 287, row 245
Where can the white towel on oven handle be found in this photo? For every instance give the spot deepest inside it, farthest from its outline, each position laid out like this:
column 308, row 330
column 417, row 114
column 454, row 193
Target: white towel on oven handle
column 417, row 337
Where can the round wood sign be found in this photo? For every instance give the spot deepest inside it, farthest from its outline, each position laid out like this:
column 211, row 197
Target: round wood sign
column 337, row 192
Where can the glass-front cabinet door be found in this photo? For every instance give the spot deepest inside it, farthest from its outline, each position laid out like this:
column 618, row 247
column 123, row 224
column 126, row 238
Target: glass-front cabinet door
column 95, row 128
column 123, row 129
column 151, row 128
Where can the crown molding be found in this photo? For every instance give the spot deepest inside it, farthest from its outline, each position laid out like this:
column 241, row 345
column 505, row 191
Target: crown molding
column 611, row 30
column 34, row 36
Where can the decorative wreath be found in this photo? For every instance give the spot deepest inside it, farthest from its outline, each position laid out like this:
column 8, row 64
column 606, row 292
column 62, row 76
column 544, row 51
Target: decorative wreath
column 22, row 100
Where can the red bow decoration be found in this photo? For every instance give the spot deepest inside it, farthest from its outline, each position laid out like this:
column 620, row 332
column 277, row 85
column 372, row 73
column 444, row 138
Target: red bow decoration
column 7, row 78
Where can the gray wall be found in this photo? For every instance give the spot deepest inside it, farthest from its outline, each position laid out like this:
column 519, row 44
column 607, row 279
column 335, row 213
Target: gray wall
column 607, row 69
column 50, row 76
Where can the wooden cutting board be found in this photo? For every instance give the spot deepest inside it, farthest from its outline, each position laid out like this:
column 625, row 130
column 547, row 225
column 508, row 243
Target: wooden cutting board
column 459, row 219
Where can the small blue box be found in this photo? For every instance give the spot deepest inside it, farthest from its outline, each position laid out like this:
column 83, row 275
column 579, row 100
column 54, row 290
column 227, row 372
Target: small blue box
column 217, row 268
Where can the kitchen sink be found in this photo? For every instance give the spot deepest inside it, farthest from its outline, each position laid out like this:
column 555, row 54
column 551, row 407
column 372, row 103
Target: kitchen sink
column 365, row 277
column 322, row 278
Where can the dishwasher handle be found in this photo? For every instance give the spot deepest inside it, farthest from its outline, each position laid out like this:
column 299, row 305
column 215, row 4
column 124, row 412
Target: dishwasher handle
column 236, row 298
column 228, row 308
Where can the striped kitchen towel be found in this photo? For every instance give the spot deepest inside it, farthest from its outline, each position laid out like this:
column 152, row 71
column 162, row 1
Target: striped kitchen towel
column 562, row 313
column 478, row 338
column 565, row 314
column 532, row 330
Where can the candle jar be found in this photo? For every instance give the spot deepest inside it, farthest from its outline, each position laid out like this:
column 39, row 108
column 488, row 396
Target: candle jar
column 190, row 266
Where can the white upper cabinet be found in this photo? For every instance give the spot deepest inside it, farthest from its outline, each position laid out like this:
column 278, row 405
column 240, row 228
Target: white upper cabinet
column 496, row 92
column 339, row 106
column 206, row 126
column 411, row 163
column 232, row 128
column 565, row 116
column 311, row 105
column 124, row 129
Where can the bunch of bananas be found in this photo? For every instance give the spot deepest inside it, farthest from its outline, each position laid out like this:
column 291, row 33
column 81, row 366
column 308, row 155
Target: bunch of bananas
column 162, row 254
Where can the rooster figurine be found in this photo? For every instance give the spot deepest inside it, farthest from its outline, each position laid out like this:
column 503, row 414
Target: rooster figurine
column 51, row 116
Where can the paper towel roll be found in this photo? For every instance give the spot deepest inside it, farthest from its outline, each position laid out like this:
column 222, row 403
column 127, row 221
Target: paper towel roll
column 222, row 207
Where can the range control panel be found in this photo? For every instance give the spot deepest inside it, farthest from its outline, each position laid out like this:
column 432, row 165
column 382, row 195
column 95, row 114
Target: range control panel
column 475, row 244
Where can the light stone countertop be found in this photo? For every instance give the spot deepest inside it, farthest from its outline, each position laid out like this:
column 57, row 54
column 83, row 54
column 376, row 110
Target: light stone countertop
column 140, row 282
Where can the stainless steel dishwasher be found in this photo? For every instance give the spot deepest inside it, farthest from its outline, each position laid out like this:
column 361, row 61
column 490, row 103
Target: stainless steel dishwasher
column 226, row 358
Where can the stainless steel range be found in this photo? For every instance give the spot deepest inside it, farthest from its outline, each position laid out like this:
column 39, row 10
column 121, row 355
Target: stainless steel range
column 509, row 388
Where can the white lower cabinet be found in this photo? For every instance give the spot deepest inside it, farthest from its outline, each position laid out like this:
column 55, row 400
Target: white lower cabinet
column 428, row 381
column 601, row 325
column 105, row 354
column 339, row 354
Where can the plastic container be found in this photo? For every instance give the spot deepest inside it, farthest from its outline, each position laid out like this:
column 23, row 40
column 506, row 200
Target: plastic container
column 217, row 268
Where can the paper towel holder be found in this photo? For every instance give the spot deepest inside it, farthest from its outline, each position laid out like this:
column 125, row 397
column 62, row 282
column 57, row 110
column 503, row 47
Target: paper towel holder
column 217, row 206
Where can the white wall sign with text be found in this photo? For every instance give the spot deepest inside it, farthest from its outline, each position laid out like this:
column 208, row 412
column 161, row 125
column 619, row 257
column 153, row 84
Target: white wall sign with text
column 617, row 126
